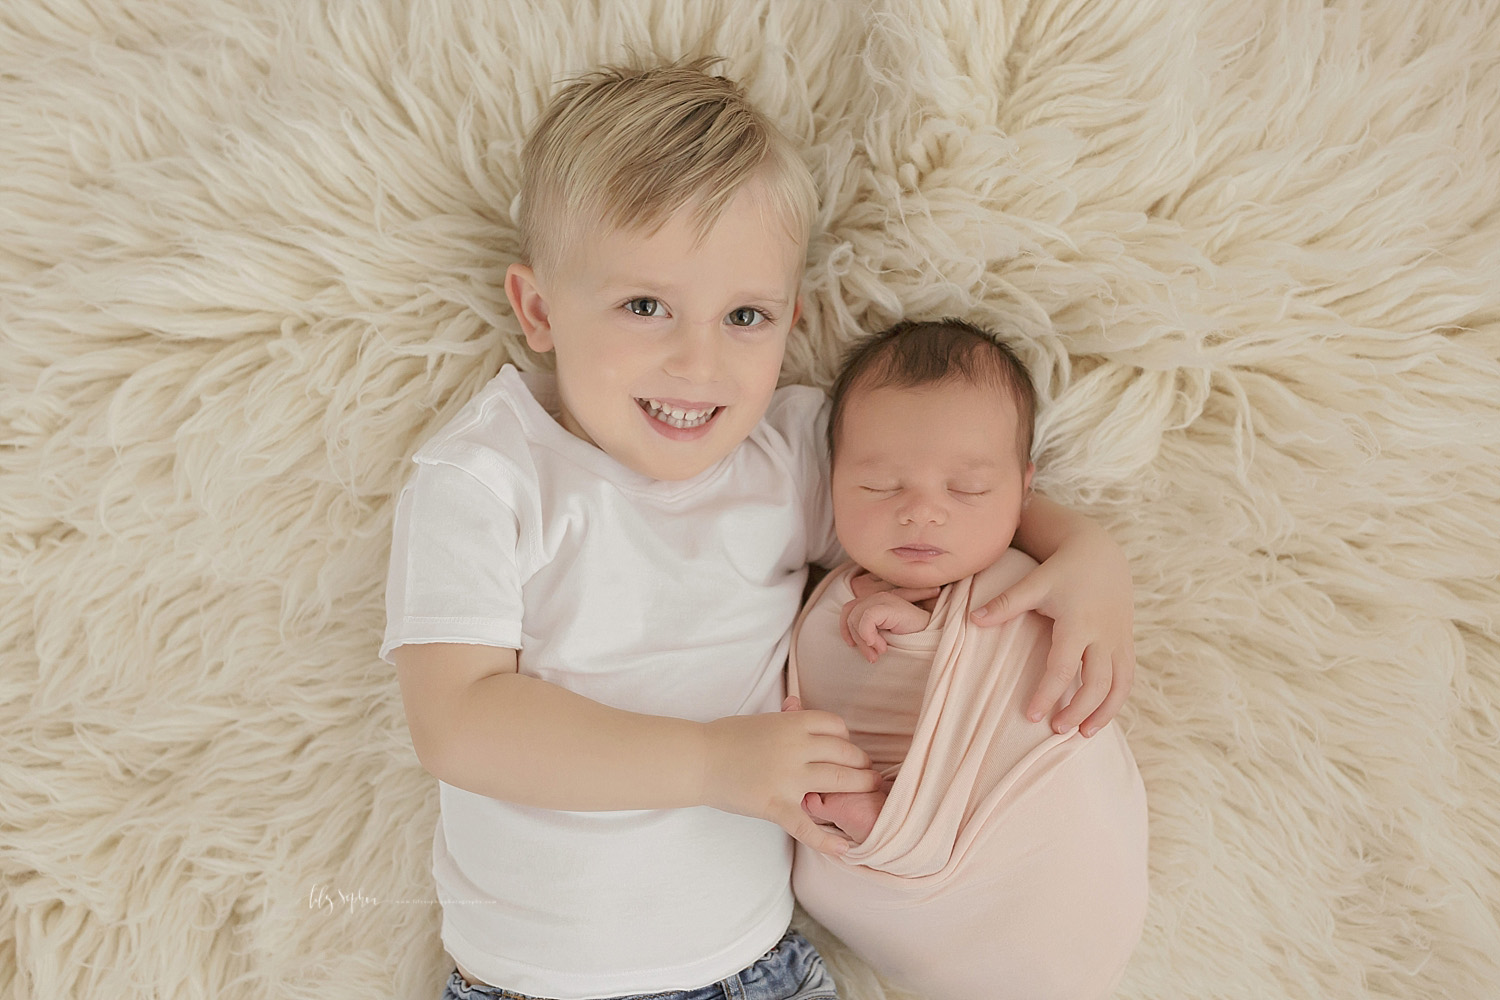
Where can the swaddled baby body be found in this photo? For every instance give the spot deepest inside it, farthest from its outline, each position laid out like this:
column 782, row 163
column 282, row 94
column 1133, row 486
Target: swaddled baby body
column 1001, row 859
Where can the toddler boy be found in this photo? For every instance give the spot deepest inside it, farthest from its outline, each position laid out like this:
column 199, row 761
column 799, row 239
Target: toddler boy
column 594, row 573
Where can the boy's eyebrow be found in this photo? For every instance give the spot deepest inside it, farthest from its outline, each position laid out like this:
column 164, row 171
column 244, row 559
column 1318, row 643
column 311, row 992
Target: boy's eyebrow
column 616, row 284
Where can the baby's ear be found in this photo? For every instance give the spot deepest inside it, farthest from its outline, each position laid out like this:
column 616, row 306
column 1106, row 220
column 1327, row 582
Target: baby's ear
column 1026, row 481
column 530, row 307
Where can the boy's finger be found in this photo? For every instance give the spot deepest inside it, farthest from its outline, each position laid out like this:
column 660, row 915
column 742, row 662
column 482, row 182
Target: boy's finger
column 1021, row 597
column 791, row 704
column 1062, row 665
column 1096, row 676
column 826, row 840
column 821, row 723
column 832, row 759
column 1124, row 678
column 841, row 778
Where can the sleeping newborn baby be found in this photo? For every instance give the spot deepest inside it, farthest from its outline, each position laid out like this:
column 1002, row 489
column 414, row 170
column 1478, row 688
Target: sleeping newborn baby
column 999, row 859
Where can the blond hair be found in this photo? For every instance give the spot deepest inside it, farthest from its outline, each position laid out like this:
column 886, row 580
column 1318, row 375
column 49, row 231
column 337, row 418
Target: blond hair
column 627, row 148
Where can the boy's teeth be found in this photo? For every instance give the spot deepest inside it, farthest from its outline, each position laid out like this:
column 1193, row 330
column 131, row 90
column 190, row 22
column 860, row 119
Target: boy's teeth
column 677, row 417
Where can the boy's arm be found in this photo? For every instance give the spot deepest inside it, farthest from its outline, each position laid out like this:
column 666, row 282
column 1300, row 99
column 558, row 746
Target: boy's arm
column 479, row 724
column 1083, row 584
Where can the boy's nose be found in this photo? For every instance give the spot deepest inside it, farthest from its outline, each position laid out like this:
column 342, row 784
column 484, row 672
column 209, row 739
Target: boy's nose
column 694, row 355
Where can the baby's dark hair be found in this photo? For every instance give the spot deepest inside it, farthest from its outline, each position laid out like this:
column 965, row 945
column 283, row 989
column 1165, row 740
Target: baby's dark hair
column 928, row 352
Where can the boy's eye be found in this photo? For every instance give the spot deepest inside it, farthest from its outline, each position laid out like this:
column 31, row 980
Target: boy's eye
column 968, row 493
column 878, row 489
column 645, row 307
column 745, row 316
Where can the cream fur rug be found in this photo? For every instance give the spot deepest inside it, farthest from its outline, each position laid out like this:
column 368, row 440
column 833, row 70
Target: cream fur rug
column 250, row 256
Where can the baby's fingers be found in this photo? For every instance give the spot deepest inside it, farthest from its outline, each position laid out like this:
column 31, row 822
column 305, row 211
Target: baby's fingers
column 868, row 634
column 870, row 649
column 844, row 629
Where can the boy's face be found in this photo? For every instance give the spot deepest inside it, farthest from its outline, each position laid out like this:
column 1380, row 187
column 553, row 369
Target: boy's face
column 668, row 347
column 927, row 485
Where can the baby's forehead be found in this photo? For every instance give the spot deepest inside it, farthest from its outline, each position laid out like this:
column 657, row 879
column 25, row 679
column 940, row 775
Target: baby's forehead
column 873, row 406
column 872, row 395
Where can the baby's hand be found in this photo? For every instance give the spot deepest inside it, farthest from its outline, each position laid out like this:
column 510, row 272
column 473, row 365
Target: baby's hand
column 763, row 765
column 865, row 620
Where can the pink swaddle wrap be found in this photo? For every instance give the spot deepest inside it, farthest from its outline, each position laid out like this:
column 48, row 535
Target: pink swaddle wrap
column 1008, row 861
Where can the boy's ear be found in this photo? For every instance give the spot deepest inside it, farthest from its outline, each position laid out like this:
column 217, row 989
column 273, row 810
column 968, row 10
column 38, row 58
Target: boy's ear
column 1026, row 483
column 531, row 309
column 796, row 313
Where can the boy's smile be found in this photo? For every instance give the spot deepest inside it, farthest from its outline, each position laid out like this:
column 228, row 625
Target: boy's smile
column 689, row 420
column 668, row 344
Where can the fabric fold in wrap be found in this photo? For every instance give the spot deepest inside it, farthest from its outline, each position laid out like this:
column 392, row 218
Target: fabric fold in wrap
column 1008, row 860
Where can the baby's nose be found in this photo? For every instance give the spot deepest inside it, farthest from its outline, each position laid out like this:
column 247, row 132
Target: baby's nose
column 922, row 509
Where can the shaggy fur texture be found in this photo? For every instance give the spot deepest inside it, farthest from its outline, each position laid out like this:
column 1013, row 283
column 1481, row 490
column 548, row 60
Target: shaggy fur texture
column 250, row 256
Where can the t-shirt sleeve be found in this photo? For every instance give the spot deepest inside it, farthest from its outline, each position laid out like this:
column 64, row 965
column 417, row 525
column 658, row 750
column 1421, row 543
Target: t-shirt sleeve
column 454, row 574
column 800, row 415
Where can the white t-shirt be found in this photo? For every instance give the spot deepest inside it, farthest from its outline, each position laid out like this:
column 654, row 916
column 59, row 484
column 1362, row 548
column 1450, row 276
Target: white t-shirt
column 666, row 598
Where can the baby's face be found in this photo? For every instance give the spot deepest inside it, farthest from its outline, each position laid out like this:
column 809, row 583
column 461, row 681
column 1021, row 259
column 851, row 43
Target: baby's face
column 927, row 484
column 668, row 347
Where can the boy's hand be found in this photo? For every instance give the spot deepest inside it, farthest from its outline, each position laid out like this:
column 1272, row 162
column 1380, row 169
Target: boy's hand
column 865, row 620
column 1085, row 589
column 763, row 765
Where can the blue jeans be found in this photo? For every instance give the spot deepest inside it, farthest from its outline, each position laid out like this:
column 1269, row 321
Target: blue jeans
column 793, row 970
